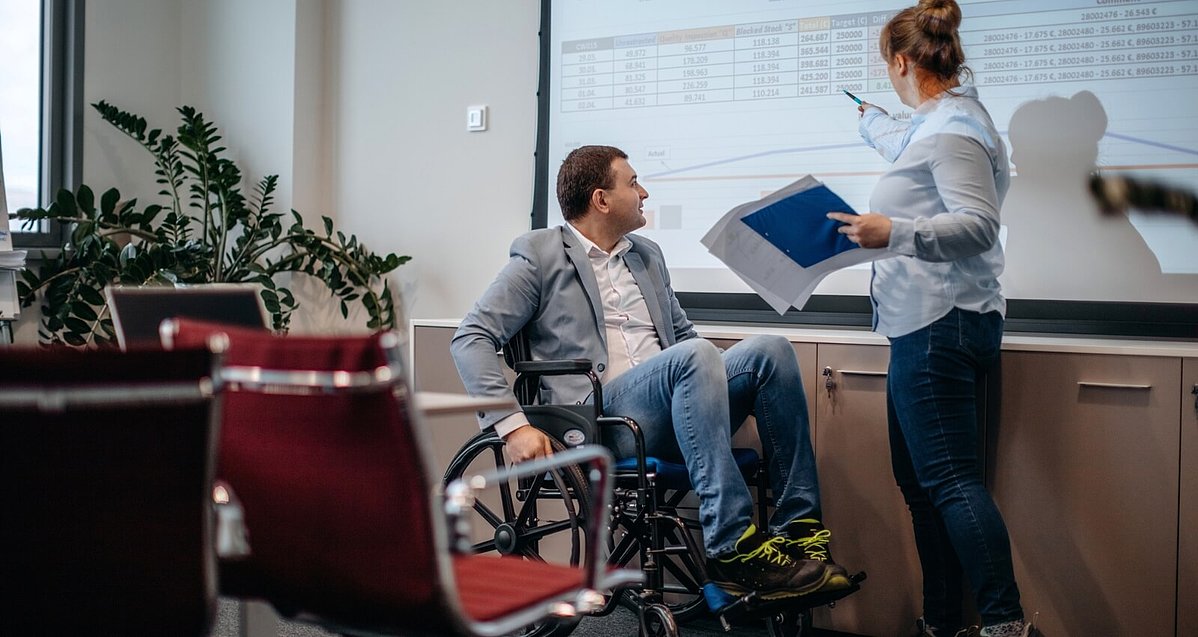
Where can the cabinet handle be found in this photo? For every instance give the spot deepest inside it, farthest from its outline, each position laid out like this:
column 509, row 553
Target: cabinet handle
column 1086, row 383
column 861, row 372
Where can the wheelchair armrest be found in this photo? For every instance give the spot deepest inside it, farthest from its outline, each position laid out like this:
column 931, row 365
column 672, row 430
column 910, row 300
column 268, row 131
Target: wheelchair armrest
column 554, row 367
column 461, row 494
column 529, row 373
column 638, row 440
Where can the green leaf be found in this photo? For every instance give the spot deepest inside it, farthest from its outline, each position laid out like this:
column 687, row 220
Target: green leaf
column 108, row 201
column 76, row 325
column 128, row 253
column 84, row 311
column 91, row 295
column 86, row 200
column 66, row 202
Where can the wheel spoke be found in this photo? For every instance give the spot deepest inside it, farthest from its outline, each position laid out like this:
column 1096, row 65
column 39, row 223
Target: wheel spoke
column 505, row 489
column 529, row 510
column 484, row 547
column 486, row 514
column 544, row 530
column 572, row 515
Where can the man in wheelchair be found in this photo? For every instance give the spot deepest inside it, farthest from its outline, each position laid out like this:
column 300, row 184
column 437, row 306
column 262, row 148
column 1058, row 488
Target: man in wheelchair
column 591, row 290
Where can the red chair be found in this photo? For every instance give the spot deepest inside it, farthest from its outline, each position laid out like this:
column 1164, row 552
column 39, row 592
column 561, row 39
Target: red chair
column 346, row 526
column 105, row 477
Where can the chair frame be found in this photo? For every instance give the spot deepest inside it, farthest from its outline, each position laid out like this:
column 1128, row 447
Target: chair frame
column 446, row 505
column 63, row 397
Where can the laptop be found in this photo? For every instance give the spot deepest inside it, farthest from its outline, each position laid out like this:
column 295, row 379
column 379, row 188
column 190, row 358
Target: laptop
column 138, row 311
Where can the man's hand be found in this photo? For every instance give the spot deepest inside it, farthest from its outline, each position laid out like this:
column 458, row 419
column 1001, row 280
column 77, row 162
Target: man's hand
column 527, row 443
column 867, row 231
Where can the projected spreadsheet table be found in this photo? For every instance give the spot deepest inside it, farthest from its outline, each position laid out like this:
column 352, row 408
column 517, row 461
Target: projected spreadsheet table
column 1007, row 43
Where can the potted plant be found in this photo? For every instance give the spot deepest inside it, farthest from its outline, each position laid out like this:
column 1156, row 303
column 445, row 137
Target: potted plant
column 206, row 231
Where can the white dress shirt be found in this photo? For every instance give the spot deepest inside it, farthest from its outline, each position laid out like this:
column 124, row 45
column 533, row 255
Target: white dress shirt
column 628, row 329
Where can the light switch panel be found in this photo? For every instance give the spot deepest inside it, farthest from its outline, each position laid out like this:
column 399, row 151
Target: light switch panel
column 476, row 118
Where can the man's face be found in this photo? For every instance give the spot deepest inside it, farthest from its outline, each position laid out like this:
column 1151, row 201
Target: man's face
column 625, row 198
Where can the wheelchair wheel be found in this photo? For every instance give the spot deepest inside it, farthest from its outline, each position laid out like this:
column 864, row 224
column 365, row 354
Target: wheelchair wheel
column 789, row 623
column 658, row 621
column 534, row 519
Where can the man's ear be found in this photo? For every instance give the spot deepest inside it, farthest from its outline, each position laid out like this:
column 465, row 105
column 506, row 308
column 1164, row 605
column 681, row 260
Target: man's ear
column 599, row 200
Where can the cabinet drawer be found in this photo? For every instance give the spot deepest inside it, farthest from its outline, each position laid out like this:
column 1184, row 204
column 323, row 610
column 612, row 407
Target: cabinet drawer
column 1086, row 475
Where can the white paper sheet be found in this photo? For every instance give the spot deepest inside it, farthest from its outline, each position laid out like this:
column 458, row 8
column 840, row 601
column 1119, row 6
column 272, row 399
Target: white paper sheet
column 777, row 278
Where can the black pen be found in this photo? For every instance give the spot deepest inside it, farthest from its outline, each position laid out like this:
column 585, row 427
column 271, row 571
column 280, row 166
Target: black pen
column 852, row 97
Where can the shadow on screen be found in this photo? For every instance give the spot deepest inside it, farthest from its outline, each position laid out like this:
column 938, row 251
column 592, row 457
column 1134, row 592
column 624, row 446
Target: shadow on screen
column 1056, row 238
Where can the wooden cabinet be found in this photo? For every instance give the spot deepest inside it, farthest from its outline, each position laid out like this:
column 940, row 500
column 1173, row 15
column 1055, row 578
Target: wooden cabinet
column 1187, row 559
column 1086, row 476
column 1093, row 461
column 871, row 527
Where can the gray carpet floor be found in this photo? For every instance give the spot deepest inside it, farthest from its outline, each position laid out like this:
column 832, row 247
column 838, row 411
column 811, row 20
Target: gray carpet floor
column 619, row 623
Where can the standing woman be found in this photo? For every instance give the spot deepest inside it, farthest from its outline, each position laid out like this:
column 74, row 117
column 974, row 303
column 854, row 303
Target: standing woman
column 940, row 305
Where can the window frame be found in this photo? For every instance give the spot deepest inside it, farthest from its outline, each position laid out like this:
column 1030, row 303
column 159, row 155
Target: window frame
column 60, row 156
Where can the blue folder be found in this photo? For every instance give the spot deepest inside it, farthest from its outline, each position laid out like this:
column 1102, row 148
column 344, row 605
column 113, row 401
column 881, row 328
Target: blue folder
column 798, row 225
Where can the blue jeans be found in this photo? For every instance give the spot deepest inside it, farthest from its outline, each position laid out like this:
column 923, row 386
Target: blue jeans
column 937, row 376
column 689, row 400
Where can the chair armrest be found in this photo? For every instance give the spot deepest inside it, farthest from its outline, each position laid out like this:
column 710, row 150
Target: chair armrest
column 461, row 494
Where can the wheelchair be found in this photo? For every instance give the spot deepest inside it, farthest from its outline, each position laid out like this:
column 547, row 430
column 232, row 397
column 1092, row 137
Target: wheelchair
column 652, row 522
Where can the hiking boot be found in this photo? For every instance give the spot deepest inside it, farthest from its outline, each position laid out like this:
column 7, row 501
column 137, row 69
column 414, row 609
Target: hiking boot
column 1017, row 628
column 756, row 564
column 807, row 539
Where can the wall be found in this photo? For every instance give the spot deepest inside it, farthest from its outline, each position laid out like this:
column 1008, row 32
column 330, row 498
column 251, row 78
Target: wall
column 358, row 105
column 407, row 176
column 131, row 60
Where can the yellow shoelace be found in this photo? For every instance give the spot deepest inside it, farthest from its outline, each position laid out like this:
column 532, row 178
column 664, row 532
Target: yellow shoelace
column 816, row 545
column 767, row 550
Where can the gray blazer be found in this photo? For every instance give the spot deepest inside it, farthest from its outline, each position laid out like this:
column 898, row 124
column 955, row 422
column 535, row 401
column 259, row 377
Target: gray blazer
column 549, row 286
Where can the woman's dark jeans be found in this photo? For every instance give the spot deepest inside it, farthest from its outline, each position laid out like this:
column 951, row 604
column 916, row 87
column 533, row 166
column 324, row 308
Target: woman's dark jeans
column 936, row 376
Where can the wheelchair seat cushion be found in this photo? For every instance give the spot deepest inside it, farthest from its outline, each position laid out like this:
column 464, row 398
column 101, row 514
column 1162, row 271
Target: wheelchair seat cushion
column 673, row 475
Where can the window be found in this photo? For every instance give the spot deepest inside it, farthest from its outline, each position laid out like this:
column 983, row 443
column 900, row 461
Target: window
column 40, row 106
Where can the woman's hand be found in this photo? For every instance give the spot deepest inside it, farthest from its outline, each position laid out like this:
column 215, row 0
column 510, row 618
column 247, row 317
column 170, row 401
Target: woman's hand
column 867, row 230
column 864, row 105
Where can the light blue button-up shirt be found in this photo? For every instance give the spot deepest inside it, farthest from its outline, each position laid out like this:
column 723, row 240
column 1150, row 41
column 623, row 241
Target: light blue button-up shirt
column 942, row 193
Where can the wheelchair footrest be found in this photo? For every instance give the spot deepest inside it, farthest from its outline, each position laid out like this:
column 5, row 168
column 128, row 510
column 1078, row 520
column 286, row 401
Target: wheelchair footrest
column 730, row 607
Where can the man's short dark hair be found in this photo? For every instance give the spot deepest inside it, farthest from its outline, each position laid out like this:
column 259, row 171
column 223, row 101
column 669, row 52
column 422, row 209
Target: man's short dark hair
column 584, row 170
